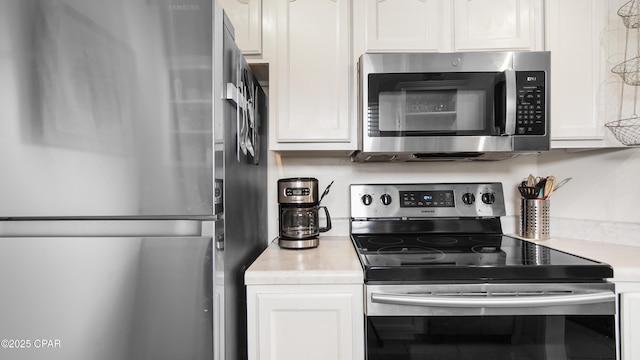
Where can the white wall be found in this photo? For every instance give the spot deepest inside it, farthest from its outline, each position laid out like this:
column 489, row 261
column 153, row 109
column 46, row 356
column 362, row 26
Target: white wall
column 601, row 201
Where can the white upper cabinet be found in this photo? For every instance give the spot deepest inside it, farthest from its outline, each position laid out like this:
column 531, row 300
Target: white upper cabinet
column 405, row 25
column 311, row 87
column 584, row 94
column 444, row 25
column 497, row 25
column 246, row 17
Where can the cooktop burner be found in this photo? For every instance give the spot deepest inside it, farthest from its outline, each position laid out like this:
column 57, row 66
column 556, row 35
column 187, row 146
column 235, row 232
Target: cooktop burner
column 451, row 242
column 451, row 232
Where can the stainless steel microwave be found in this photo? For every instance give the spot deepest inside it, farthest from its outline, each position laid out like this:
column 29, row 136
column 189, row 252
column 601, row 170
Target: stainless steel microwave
column 448, row 106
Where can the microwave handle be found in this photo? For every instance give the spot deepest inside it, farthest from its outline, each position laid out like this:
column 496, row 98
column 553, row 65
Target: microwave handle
column 511, row 103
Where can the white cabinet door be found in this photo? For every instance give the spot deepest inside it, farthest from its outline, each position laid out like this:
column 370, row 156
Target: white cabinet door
column 579, row 73
column 311, row 322
column 405, row 25
column 498, row 25
column 246, row 17
column 312, row 83
column 443, row 25
column 630, row 325
column 576, row 67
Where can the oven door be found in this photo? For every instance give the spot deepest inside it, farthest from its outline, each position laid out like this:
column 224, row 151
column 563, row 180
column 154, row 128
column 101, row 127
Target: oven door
column 491, row 321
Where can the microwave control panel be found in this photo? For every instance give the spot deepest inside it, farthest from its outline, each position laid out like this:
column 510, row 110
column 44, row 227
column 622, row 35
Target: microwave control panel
column 531, row 107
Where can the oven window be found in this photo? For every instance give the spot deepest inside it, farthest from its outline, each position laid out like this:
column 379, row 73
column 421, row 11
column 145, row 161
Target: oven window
column 551, row 337
column 435, row 104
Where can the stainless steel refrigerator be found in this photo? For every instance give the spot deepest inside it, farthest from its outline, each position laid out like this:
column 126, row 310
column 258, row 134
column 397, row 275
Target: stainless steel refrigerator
column 132, row 180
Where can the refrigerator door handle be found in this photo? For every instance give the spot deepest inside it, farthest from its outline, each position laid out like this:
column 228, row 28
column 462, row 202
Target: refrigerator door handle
column 209, row 230
column 99, row 227
column 219, row 242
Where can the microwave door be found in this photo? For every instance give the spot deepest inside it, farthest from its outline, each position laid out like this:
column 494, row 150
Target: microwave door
column 452, row 110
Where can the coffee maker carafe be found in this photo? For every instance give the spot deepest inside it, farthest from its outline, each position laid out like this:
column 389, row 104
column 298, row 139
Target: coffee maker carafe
column 299, row 206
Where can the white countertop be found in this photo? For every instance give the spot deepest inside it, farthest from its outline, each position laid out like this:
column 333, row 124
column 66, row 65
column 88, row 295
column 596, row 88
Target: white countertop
column 335, row 261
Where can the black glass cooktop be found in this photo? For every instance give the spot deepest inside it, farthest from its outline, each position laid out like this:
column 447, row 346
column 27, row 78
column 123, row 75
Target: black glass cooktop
column 425, row 258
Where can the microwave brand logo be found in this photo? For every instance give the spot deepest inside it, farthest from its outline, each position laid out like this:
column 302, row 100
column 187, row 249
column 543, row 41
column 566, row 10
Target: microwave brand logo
column 531, row 78
column 428, row 211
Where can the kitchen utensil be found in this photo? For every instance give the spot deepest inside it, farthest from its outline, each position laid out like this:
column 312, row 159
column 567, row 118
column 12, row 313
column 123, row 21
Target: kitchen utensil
column 561, row 183
column 549, row 186
column 529, row 192
column 531, row 180
column 325, row 192
column 540, row 184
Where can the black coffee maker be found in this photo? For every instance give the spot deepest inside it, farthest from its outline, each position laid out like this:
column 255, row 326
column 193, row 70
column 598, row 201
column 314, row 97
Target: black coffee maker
column 299, row 206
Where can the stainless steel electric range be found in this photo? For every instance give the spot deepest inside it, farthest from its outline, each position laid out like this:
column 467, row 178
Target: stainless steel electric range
column 443, row 281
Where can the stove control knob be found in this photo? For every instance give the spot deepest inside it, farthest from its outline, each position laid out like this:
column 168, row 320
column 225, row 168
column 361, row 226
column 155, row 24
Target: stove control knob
column 488, row 198
column 385, row 199
column 468, row 198
column 366, row 199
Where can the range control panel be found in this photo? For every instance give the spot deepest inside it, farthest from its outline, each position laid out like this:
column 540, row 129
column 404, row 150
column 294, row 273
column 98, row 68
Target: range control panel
column 435, row 198
column 426, row 200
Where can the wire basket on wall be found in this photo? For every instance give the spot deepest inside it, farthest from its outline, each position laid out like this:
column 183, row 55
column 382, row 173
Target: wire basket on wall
column 630, row 15
column 627, row 130
column 629, row 71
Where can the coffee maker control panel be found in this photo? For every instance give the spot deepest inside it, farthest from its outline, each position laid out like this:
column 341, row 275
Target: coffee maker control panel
column 297, row 191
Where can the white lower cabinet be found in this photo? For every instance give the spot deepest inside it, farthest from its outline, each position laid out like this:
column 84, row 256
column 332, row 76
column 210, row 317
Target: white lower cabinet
column 630, row 325
column 311, row 322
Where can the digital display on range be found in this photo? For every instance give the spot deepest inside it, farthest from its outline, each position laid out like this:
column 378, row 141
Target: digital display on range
column 442, row 198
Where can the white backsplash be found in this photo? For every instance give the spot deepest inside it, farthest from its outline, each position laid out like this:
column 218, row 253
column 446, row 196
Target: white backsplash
column 600, row 203
column 607, row 232
column 602, row 231
column 344, row 173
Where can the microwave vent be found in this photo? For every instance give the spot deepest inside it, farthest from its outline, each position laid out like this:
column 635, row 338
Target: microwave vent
column 448, row 156
column 434, row 156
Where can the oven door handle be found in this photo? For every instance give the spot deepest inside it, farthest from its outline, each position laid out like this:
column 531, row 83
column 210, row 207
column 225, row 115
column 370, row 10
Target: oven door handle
column 463, row 301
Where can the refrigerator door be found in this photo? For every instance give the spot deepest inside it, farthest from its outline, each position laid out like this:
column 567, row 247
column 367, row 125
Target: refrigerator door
column 107, row 297
column 107, row 108
column 243, row 178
